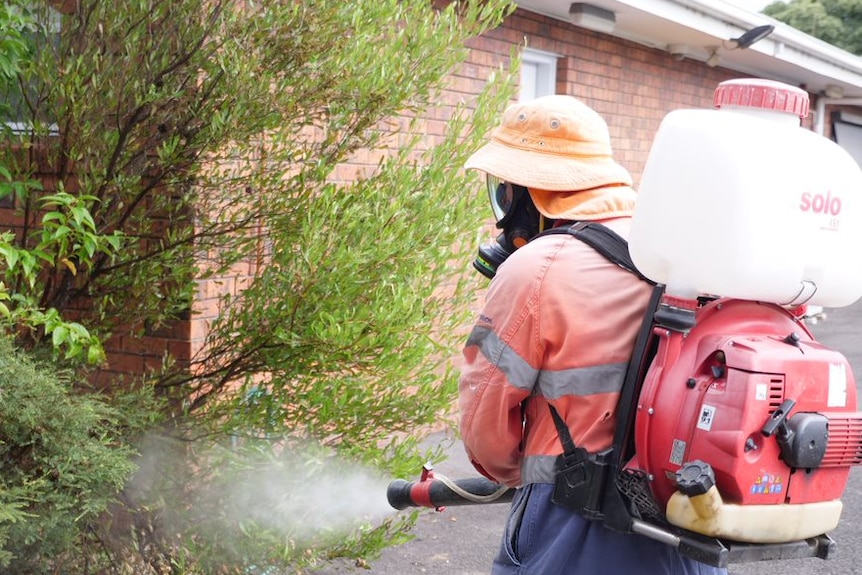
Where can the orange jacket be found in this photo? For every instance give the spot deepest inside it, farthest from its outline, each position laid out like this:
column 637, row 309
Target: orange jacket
column 558, row 326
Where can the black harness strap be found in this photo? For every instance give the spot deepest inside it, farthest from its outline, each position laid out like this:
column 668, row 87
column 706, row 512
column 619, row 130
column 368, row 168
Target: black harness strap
column 604, row 240
column 608, row 243
column 571, row 453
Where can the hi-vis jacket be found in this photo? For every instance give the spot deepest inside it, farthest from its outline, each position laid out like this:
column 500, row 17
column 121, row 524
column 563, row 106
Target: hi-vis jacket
column 558, row 326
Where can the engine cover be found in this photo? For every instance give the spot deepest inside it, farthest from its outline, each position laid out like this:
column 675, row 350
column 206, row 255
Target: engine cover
column 751, row 392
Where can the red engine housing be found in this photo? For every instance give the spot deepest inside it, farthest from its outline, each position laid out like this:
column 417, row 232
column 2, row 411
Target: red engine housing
column 709, row 392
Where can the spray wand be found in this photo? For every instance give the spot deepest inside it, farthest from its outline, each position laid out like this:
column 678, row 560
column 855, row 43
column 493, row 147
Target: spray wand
column 437, row 491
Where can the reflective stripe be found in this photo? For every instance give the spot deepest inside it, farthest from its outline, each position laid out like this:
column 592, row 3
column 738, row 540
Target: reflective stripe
column 519, row 373
column 538, row 469
column 582, row 380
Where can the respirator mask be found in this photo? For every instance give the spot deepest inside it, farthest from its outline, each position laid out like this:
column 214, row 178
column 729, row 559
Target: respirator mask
column 518, row 219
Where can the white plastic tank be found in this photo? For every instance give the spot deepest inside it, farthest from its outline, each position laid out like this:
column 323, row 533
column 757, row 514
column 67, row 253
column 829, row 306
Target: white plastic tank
column 741, row 201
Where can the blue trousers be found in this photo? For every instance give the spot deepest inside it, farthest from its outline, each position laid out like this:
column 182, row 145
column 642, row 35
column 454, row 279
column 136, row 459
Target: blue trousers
column 542, row 538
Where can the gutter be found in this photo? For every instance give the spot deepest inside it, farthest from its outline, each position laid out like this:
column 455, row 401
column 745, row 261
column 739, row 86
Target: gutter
column 722, row 20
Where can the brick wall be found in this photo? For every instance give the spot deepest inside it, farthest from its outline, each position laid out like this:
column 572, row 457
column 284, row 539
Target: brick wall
column 632, row 86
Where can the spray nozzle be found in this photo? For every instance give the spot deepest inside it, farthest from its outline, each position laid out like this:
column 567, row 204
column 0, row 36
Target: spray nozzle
column 435, row 491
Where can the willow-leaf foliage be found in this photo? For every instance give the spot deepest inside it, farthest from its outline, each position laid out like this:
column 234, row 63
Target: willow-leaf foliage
column 293, row 154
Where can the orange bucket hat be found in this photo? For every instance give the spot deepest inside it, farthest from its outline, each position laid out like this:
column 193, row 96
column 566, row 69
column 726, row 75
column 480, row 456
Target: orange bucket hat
column 555, row 146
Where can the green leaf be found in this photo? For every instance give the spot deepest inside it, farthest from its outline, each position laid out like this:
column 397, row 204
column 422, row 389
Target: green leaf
column 95, row 354
column 11, row 255
column 59, row 335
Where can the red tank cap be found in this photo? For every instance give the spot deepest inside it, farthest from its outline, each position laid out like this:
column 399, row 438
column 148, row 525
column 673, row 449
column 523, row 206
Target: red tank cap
column 762, row 94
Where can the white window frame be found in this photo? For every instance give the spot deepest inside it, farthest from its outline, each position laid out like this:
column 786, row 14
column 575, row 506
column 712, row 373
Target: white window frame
column 538, row 74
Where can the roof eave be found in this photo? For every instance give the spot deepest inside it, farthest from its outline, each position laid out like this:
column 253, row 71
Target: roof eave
column 706, row 26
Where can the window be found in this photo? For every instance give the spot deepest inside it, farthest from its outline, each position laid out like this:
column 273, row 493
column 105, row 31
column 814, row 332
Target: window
column 847, row 132
column 538, row 74
column 43, row 34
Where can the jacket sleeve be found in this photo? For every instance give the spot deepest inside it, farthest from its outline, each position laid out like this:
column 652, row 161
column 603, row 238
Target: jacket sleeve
column 501, row 364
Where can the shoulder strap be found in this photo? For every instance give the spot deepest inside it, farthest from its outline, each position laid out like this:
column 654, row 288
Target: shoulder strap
column 617, row 506
column 615, row 249
column 604, row 240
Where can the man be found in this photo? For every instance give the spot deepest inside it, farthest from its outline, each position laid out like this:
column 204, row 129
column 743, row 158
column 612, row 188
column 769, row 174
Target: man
column 557, row 329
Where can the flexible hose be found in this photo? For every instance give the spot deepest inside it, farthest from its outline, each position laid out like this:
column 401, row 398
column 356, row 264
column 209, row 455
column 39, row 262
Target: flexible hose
column 474, row 497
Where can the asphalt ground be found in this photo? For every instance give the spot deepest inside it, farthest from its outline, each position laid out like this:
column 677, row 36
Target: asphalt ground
column 463, row 540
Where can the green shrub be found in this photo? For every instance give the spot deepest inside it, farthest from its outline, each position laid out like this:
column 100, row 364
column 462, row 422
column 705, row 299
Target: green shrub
column 60, row 463
column 198, row 138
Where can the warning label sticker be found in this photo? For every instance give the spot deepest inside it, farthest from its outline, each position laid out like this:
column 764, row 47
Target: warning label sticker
column 677, row 453
column 707, row 414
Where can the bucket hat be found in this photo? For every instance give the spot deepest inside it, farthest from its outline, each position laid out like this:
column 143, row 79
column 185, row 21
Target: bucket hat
column 552, row 144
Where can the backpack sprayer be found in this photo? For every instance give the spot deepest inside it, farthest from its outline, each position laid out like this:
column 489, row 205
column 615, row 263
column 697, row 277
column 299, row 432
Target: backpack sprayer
column 736, row 429
column 718, row 473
